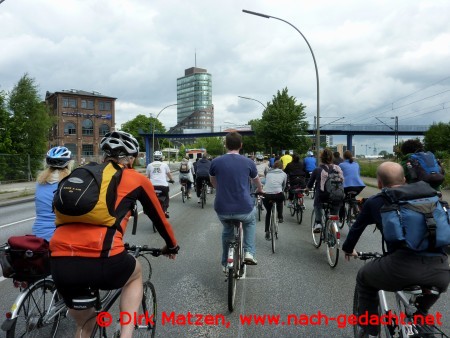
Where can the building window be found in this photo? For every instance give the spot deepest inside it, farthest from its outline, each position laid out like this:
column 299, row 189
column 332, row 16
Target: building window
column 70, row 129
column 87, row 150
column 88, row 127
column 104, row 128
column 104, row 105
column 73, row 148
column 69, row 102
column 87, row 104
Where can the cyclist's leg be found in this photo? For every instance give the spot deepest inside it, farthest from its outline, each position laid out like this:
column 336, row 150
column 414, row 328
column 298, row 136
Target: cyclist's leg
column 198, row 186
column 279, row 201
column 227, row 235
column 266, row 201
column 165, row 192
column 85, row 321
column 131, row 298
column 249, row 225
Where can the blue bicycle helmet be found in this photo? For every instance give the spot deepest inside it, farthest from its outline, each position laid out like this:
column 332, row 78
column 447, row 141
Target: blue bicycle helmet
column 58, row 157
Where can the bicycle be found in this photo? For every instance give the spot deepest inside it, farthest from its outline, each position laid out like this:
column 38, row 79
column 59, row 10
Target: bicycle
column 236, row 267
column 298, row 204
column 273, row 228
column 351, row 209
column 203, row 193
column 329, row 234
column 184, row 192
column 412, row 325
column 259, row 205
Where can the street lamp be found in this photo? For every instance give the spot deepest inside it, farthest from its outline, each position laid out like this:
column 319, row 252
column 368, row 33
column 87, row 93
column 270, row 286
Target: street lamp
column 249, row 98
column 317, row 74
column 153, row 131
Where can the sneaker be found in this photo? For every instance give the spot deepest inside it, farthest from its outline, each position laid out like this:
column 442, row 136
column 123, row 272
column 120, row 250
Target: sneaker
column 268, row 236
column 249, row 259
column 199, row 201
column 167, row 214
column 280, row 220
column 189, row 196
column 317, row 228
column 224, row 270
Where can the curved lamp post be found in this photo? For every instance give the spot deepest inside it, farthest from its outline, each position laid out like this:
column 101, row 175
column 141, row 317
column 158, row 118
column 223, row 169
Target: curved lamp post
column 153, row 129
column 317, row 74
column 249, row 98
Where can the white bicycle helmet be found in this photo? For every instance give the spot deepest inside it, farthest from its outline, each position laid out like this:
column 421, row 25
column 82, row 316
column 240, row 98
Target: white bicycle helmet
column 310, row 153
column 58, row 157
column 157, row 155
column 119, row 143
column 260, row 157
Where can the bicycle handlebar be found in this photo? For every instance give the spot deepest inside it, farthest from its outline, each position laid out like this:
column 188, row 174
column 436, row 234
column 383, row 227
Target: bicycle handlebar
column 368, row 255
column 143, row 248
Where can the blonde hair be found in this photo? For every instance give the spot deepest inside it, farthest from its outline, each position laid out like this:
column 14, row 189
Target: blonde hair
column 50, row 174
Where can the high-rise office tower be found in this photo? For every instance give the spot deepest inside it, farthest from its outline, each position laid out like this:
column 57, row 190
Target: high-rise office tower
column 194, row 101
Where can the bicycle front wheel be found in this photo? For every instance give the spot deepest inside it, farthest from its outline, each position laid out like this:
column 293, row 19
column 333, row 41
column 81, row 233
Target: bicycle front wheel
column 299, row 207
column 30, row 320
column 316, row 236
column 147, row 325
column 259, row 211
column 332, row 244
column 183, row 194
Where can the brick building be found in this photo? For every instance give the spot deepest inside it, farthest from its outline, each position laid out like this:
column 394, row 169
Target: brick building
column 82, row 119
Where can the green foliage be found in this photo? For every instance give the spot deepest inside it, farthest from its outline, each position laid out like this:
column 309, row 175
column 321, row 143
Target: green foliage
column 213, row 145
column 145, row 124
column 27, row 122
column 254, row 143
column 368, row 168
column 437, row 138
column 283, row 125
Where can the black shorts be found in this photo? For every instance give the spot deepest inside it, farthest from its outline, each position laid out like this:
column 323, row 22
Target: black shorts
column 73, row 276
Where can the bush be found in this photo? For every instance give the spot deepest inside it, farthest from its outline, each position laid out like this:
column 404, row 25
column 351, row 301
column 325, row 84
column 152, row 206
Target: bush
column 369, row 167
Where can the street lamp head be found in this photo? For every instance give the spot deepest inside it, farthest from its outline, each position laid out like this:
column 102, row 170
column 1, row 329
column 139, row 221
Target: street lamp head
column 258, row 14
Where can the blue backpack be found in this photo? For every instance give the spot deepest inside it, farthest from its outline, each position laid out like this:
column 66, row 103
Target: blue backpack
column 413, row 217
column 422, row 166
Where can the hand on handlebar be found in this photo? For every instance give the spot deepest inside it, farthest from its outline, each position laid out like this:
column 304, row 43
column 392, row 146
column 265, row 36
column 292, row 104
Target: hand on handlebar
column 171, row 181
column 170, row 252
column 354, row 254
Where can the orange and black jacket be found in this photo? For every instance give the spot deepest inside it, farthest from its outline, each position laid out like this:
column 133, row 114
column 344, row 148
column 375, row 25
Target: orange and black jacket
column 86, row 240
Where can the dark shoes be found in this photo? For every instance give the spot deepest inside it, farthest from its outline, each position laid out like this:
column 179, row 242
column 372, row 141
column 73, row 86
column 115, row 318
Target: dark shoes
column 280, row 220
column 268, row 236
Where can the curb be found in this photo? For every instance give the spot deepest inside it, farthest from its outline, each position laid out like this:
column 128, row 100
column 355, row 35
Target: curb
column 17, row 200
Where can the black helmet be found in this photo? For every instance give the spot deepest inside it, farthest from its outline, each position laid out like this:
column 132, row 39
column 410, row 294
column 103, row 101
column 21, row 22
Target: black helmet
column 119, row 143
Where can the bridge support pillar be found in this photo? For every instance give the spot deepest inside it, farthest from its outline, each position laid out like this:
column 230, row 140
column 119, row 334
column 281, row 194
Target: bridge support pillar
column 349, row 143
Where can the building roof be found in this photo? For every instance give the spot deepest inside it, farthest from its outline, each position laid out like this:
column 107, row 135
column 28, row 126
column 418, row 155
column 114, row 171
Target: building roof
column 78, row 93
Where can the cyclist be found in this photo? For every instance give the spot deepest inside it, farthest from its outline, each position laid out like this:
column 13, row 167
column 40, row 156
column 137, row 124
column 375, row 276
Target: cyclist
column 202, row 174
column 309, row 162
column 262, row 168
column 58, row 165
column 276, row 180
column 352, row 178
column 296, row 175
column 158, row 172
column 286, row 158
column 337, row 159
column 327, row 163
column 401, row 267
column 187, row 174
column 230, row 175
column 85, row 255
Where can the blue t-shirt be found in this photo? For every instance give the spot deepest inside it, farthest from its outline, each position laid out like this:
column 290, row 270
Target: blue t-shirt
column 351, row 174
column 233, row 173
column 310, row 163
column 44, row 225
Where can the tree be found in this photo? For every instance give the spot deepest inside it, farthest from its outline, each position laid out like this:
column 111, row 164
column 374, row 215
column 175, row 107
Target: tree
column 283, row 124
column 214, row 145
column 143, row 123
column 5, row 134
column 254, row 143
column 29, row 123
column 437, row 138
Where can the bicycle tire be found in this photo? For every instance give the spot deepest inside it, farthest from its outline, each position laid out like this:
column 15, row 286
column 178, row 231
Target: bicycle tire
column 354, row 212
column 272, row 226
column 332, row 245
column 232, row 280
column 299, row 208
column 342, row 220
column 203, row 196
column 149, row 307
column 183, row 196
column 312, row 191
column 259, row 213
column 317, row 237
column 292, row 210
column 33, row 306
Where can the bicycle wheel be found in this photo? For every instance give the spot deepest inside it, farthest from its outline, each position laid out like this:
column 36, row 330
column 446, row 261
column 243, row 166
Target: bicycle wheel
column 353, row 212
column 292, row 208
column 299, row 208
column 273, row 219
column 183, row 196
column 259, row 209
column 31, row 310
column 312, row 192
column 332, row 244
column 317, row 237
column 342, row 221
column 148, row 312
column 203, row 197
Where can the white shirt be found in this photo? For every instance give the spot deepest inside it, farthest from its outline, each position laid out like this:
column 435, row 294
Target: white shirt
column 157, row 173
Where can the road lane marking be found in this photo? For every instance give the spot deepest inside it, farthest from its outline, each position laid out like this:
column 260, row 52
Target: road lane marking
column 21, row 221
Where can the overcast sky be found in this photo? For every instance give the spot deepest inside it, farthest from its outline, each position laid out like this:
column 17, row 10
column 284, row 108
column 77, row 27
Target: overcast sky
column 375, row 58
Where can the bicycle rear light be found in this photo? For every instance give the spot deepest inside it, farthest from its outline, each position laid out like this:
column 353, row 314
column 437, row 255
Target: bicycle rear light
column 334, row 217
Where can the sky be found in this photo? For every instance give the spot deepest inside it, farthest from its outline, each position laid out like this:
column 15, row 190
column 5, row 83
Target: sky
column 376, row 59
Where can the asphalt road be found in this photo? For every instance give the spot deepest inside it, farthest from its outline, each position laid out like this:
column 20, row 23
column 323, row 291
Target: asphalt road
column 293, row 282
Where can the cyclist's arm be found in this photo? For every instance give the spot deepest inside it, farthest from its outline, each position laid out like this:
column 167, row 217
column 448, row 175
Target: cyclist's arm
column 169, row 174
column 370, row 214
column 213, row 181
column 257, row 182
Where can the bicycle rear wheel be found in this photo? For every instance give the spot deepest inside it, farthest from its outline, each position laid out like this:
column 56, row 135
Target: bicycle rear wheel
column 147, row 325
column 344, row 217
column 317, row 237
column 203, row 197
column 292, row 208
column 332, row 244
column 30, row 316
column 273, row 230
column 299, row 207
